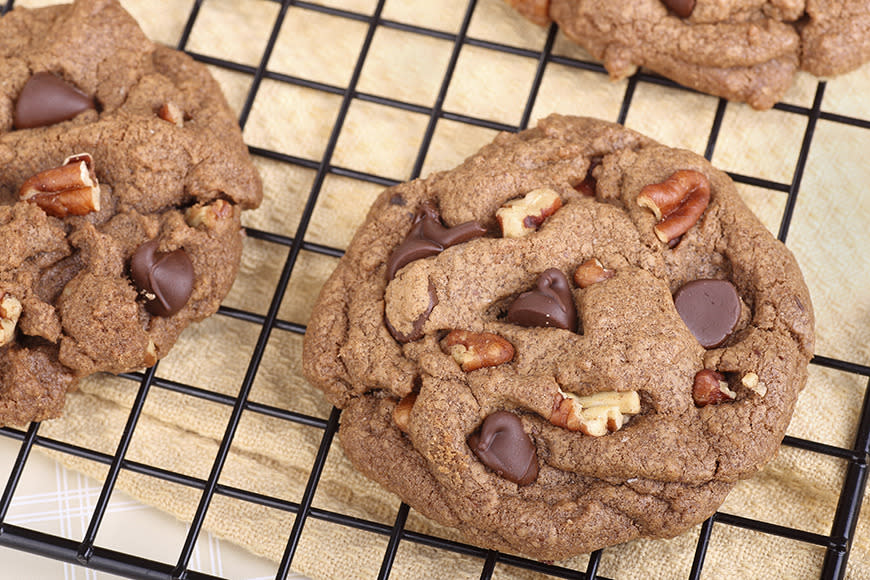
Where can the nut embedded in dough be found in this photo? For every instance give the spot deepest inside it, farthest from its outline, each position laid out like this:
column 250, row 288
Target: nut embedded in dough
column 751, row 382
column 597, row 414
column 10, row 311
column 711, row 388
column 208, row 215
column 520, row 217
column 677, row 202
column 476, row 350
column 171, row 113
column 402, row 412
column 71, row 189
column 151, row 354
column 591, row 272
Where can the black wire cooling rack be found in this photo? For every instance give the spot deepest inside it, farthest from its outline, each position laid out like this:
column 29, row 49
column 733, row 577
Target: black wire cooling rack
column 836, row 544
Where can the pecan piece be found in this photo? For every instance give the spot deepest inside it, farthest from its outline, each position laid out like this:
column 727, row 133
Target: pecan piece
column 208, row 216
column 751, row 382
column 151, row 354
column 171, row 113
column 677, row 202
column 596, row 414
column 71, row 189
column 402, row 412
column 520, row 217
column 476, row 350
column 591, row 272
column 711, row 388
column 10, row 311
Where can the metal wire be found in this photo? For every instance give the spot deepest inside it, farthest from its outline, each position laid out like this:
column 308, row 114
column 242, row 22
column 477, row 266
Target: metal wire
column 836, row 544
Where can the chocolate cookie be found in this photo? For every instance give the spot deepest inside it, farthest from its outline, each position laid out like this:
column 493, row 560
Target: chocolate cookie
column 122, row 183
column 597, row 341
column 743, row 50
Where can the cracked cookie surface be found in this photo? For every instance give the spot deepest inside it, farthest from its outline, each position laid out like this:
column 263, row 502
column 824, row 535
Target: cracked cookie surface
column 743, row 50
column 454, row 368
column 109, row 143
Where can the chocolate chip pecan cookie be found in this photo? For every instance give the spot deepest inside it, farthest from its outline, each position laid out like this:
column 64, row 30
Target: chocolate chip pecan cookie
column 743, row 50
column 577, row 337
column 122, row 182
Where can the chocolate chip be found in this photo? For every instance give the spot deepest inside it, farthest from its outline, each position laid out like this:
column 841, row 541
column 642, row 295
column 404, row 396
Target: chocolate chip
column 416, row 330
column 397, row 199
column 587, row 186
column 682, row 8
column 589, row 183
column 710, row 308
column 46, row 100
column 428, row 237
column 549, row 304
column 165, row 277
column 503, row 446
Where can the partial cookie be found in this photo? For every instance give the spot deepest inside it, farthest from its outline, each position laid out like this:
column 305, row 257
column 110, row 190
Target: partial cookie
column 575, row 338
column 123, row 179
column 743, row 50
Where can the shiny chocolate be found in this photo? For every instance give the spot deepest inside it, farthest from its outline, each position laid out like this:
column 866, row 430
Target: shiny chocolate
column 47, row 99
column 429, row 237
column 549, row 304
column 502, row 445
column 166, row 278
column 710, row 308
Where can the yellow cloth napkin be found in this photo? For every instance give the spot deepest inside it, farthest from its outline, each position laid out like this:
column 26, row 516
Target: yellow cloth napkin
column 829, row 234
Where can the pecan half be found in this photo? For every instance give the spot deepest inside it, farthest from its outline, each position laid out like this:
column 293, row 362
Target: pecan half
column 591, row 272
column 520, row 217
column 70, row 189
column 594, row 415
column 10, row 311
column 711, row 388
column 678, row 202
column 476, row 350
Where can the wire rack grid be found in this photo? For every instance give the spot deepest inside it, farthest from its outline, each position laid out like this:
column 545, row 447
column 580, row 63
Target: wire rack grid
column 86, row 552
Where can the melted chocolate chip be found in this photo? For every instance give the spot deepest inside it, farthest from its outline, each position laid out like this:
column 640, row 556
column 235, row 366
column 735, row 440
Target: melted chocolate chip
column 710, row 308
column 503, row 446
column 46, row 100
column 589, row 183
column 417, row 330
column 682, row 8
column 549, row 304
column 165, row 277
column 428, row 237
